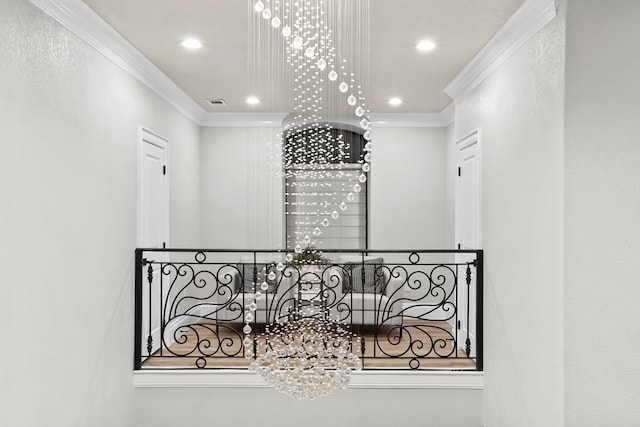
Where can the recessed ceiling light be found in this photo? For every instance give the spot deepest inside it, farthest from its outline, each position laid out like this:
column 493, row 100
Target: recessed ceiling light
column 191, row 44
column 252, row 100
column 425, row 45
column 395, row 101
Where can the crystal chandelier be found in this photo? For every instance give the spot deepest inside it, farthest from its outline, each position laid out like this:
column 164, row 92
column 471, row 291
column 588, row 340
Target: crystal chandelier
column 312, row 57
column 305, row 354
column 317, row 51
column 307, row 358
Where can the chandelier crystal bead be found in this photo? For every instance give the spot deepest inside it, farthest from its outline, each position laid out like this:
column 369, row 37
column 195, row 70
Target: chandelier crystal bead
column 305, row 353
column 308, row 358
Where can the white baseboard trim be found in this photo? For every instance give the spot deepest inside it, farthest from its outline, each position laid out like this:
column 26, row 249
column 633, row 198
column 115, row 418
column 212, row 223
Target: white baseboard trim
column 238, row 378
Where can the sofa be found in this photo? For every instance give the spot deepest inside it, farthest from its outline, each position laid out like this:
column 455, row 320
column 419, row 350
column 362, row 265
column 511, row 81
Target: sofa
column 353, row 290
column 364, row 291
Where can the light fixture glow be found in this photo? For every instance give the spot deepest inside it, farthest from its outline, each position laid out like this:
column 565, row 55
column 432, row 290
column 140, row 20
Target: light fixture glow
column 395, row 101
column 191, row 44
column 252, row 100
column 425, row 45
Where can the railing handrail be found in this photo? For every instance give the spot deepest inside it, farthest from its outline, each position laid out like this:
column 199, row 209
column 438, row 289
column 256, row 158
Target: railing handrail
column 346, row 251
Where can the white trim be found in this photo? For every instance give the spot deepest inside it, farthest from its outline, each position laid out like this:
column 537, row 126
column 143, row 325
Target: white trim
column 237, row 378
column 242, row 119
column 90, row 27
column 527, row 21
column 442, row 119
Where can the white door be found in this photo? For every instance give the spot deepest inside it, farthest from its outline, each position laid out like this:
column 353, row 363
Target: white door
column 468, row 231
column 153, row 227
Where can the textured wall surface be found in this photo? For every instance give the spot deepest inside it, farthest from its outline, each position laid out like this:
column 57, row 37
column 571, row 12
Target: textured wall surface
column 519, row 109
column 242, row 203
column 407, row 189
column 602, row 278
column 69, row 121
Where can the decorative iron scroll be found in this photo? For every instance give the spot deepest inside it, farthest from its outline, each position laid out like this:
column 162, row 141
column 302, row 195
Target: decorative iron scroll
column 411, row 311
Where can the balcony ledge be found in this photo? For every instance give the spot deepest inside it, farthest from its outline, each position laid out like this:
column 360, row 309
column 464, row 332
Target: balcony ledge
column 459, row 380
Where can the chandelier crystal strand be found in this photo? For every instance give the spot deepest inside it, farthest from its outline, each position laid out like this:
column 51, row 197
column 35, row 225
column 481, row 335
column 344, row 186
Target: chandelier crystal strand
column 319, row 50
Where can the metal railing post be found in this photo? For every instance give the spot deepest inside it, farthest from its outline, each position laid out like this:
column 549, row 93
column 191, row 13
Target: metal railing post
column 479, row 309
column 137, row 340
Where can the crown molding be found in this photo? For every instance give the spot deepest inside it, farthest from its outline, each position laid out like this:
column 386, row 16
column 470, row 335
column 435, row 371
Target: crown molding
column 234, row 378
column 90, row 27
column 442, row 119
column 242, row 119
column 527, row 21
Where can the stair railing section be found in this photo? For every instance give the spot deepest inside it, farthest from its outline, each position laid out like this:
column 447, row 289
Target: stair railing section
column 413, row 310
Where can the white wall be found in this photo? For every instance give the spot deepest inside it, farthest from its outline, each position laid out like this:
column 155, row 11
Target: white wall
column 450, row 177
column 396, row 407
column 69, row 121
column 407, row 189
column 184, row 181
column 519, row 110
column 242, row 204
column 602, row 240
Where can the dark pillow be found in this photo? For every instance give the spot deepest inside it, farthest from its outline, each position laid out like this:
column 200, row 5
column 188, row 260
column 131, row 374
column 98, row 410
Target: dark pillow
column 373, row 277
column 246, row 284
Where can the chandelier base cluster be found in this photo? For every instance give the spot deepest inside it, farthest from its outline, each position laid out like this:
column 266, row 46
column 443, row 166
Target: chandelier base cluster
column 307, row 358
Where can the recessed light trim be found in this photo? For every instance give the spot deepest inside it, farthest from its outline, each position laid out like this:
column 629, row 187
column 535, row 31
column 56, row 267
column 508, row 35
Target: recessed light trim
column 425, row 45
column 191, row 43
column 252, row 100
column 395, row 101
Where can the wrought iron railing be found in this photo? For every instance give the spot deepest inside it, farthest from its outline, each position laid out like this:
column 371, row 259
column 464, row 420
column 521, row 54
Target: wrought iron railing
column 417, row 309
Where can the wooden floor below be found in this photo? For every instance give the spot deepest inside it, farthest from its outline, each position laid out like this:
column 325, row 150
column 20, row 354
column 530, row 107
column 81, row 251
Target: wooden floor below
column 422, row 345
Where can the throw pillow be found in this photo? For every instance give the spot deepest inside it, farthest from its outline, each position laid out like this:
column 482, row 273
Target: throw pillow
column 373, row 277
column 246, row 270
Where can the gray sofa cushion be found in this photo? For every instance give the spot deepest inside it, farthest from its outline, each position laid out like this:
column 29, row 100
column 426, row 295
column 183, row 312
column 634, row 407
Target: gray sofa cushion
column 246, row 283
column 373, row 277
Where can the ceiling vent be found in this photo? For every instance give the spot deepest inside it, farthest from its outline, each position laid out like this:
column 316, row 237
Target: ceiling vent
column 216, row 101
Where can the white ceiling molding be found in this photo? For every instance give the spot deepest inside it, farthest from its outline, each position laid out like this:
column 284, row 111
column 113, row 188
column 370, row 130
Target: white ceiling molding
column 90, row 27
column 231, row 378
column 527, row 21
column 442, row 119
column 242, row 119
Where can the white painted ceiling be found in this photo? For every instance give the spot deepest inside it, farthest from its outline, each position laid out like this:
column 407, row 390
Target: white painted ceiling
column 219, row 70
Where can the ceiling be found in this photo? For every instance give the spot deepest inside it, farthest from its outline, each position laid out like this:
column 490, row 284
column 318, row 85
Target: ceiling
column 460, row 29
